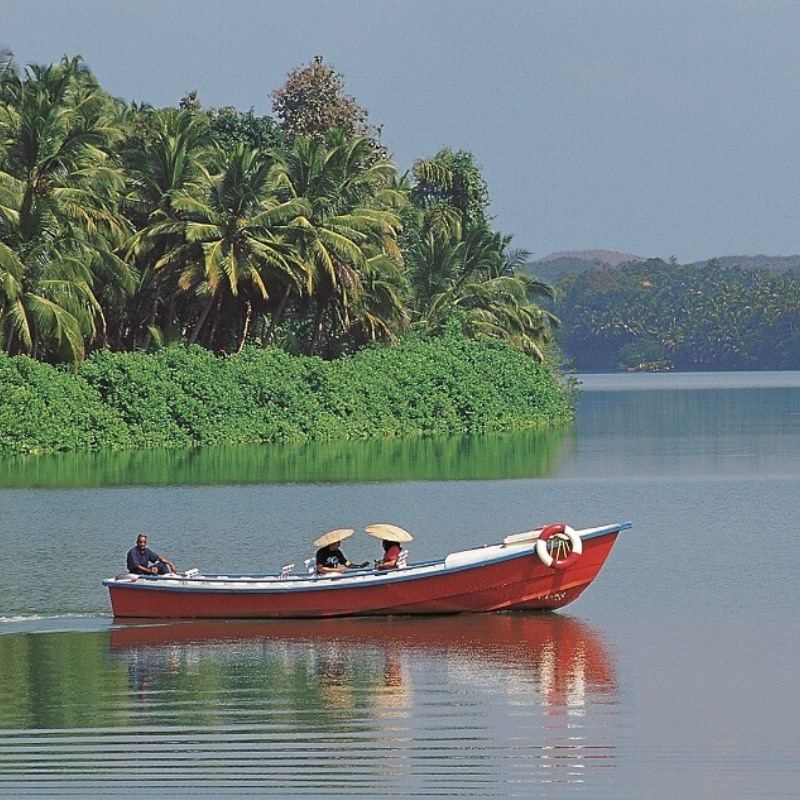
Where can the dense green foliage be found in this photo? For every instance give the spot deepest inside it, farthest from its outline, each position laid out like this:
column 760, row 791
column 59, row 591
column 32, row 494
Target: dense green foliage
column 181, row 397
column 658, row 315
column 125, row 227
column 45, row 409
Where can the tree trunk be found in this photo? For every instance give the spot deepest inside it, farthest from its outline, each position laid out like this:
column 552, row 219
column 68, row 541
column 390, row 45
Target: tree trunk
column 317, row 335
column 151, row 321
column 199, row 324
column 276, row 317
column 103, row 337
column 213, row 334
column 246, row 327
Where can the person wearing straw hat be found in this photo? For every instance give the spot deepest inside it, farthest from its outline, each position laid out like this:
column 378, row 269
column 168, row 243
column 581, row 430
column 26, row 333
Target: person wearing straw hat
column 391, row 537
column 330, row 558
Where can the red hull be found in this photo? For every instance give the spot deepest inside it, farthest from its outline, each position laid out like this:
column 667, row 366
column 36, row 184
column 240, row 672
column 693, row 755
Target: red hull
column 517, row 582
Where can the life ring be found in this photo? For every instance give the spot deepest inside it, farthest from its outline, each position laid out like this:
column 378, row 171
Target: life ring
column 561, row 530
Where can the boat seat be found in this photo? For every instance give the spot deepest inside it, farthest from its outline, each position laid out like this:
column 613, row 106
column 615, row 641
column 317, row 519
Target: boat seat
column 402, row 559
column 286, row 571
column 311, row 566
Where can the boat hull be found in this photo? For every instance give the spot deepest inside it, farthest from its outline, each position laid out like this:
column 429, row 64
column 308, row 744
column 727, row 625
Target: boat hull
column 518, row 580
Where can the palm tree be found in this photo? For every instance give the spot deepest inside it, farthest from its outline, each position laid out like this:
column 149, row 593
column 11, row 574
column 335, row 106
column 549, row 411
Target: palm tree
column 347, row 231
column 451, row 191
column 480, row 281
column 166, row 155
column 231, row 247
column 59, row 222
column 381, row 310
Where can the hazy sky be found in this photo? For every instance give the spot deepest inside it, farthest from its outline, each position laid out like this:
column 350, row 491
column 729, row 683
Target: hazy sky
column 656, row 128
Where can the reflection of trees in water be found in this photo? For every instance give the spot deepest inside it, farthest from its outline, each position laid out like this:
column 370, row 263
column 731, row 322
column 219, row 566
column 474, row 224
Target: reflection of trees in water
column 57, row 680
column 357, row 705
column 518, row 454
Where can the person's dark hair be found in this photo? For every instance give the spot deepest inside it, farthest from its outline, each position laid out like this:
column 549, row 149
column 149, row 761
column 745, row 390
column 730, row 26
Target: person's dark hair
column 386, row 544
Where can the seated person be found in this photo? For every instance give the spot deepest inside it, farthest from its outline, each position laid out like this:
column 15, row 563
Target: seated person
column 391, row 552
column 141, row 557
column 331, row 559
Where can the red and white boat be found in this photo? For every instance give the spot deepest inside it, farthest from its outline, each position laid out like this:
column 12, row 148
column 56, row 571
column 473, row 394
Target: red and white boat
column 544, row 568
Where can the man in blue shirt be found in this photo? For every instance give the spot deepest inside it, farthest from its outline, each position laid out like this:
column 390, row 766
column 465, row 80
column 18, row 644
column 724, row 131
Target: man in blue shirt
column 141, row 557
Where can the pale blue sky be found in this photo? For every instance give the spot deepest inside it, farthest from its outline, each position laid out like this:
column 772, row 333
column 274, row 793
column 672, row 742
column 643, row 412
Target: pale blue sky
column 656, row 128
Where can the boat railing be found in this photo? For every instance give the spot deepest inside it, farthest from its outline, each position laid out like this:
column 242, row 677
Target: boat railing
column 456, row 560
column 524, row 538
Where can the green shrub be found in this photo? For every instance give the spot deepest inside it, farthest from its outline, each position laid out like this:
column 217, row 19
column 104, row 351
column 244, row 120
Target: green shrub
column 48, row 409
column 185, row 396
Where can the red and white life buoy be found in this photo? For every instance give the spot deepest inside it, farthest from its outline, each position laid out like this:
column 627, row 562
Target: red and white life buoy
column 562, row 531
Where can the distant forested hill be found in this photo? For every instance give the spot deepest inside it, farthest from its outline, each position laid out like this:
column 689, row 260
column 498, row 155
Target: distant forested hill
column 773, row 263
column 552, row 267
column 658, row 315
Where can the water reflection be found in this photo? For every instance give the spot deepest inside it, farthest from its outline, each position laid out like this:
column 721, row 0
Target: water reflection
column 675, row 432
column 521, row 454
column 552, row 656
column 484, row 705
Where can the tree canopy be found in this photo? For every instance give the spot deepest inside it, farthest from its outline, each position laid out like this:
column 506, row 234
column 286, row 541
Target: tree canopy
column 128, row 227
column 658, row 315
column 312, row 103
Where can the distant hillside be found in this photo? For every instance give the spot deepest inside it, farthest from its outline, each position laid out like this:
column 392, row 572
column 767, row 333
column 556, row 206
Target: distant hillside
column 552, row 267
column 773, row 263
column 611, row 257
column 657, row 315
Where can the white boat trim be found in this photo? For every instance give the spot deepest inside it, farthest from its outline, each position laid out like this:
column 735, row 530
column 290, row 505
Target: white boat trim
column 193, row 580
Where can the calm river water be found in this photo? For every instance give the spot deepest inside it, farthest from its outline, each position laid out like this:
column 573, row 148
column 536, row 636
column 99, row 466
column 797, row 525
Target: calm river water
column 673, row 676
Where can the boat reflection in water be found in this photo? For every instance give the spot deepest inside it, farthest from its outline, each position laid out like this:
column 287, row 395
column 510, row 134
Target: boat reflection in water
column 487, row 704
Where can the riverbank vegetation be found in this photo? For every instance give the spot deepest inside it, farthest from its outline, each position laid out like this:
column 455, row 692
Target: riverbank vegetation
column 659, row 315
column 183, row 276
column 186, row 396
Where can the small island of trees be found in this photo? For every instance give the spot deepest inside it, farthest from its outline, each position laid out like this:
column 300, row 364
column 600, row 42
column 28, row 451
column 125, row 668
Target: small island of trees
column 127, row 230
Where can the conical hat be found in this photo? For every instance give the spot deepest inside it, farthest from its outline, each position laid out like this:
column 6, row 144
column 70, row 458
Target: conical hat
column 333, row 536
column 389, row 533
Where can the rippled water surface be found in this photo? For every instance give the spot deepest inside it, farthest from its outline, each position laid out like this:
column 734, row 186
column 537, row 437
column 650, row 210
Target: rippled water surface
column 673, row 676
column 454, row 707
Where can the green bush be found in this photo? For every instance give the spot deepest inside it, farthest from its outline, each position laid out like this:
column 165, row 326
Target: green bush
column 45, row 409
column 185, row 396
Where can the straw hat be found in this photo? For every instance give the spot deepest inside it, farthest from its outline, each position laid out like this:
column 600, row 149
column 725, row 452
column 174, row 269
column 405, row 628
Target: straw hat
column 333, row 536
column 389, row 533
